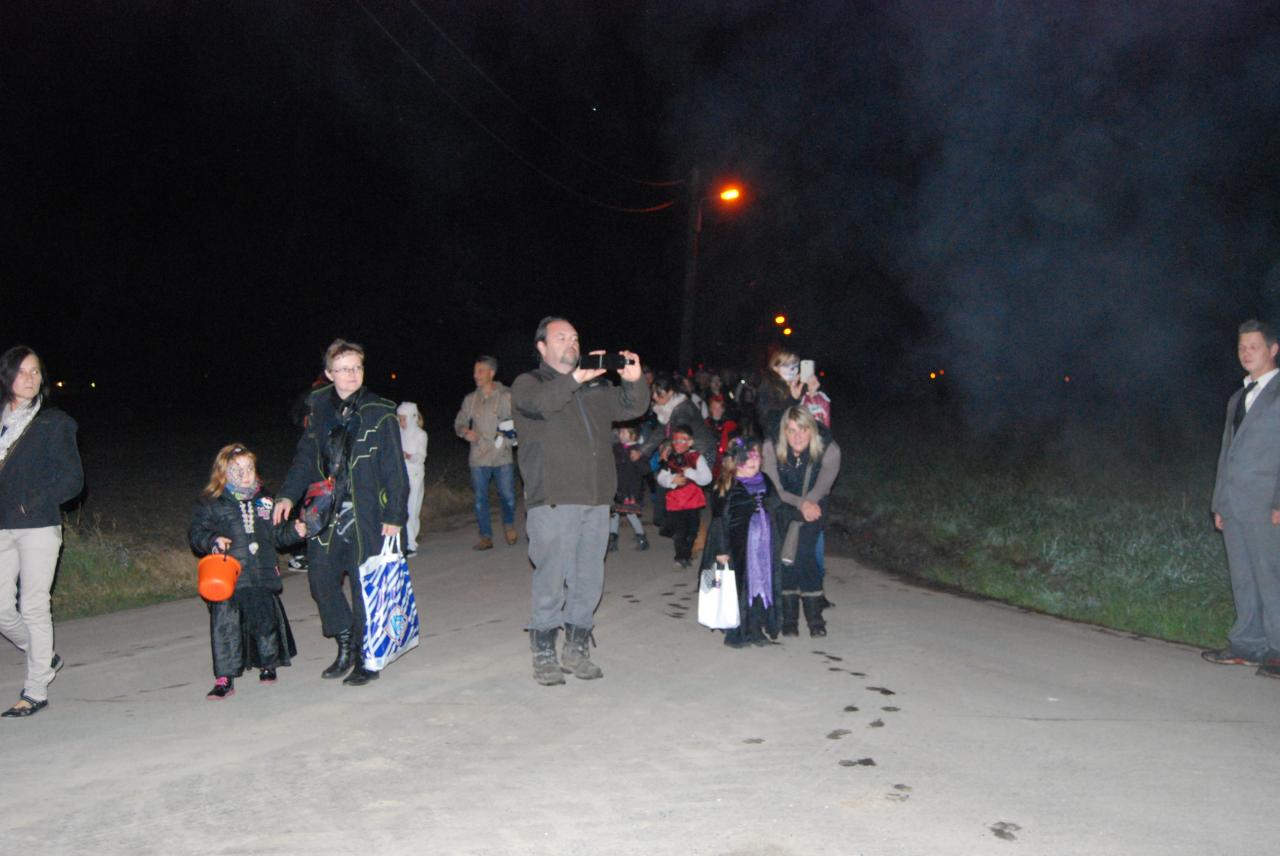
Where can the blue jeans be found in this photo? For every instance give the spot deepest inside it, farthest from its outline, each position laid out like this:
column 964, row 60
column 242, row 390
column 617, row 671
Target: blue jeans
column 505, row 476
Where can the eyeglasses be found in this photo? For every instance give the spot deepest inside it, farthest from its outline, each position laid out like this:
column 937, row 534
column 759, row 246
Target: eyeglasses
column 348, row 370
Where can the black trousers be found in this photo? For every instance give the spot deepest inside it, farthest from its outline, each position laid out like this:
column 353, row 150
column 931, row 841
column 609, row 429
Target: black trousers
column 805, row 576
column 326, row 568
column 684, row 530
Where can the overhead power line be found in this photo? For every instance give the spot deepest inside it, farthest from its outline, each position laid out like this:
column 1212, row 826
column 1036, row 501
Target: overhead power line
column 511, row 150
column 533, row 119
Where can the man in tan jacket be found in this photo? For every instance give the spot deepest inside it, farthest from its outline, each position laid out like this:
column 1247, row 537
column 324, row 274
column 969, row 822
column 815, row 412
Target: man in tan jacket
column 490, row 459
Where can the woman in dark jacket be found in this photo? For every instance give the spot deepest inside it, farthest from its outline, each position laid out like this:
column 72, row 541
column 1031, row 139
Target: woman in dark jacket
column 39, row 471
column 233, row 516
column 803, row 462
column 350, row 455
column 744, row 534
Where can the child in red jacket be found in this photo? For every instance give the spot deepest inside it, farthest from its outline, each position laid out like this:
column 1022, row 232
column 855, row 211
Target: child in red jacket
column 684, row 472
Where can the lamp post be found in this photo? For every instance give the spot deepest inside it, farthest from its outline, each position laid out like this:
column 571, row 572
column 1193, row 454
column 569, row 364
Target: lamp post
column 696, row 198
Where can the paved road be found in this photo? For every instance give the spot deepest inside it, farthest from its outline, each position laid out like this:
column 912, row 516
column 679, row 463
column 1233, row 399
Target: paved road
column 924, row 724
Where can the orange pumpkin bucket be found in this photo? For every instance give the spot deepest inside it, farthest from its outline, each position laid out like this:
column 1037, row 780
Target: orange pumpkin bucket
column 218, row 575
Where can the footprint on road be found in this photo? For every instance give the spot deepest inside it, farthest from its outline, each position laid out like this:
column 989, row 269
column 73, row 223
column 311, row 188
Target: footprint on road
column 901, row 793
column 838, row 733
column 861, row 762
column 679, row 585
column 676, row 605
column 891, row 709
column 668, row 594
column 850, row 708
column 1005, row 830
column 879, row 723
column 754, row 740
column 882, row 691
column 674, row 614
column 834, row 669
column 857, row 674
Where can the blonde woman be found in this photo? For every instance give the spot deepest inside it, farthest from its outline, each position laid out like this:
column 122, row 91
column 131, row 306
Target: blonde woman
column 803, row 462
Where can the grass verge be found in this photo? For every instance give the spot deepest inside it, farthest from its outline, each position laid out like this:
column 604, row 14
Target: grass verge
column 1071, row 528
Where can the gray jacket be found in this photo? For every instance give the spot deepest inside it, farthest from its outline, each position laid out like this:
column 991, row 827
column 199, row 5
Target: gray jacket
column 482, row 413
column 1248, row 484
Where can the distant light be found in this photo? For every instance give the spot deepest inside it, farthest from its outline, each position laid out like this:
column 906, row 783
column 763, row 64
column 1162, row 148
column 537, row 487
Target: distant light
column 92, row 385
column 941, row 372
column 786, row 331
column 933, row 375
column 393, row 375
column 1067, row 379
column 730, row 194
column 779, row 320
column 59, row 384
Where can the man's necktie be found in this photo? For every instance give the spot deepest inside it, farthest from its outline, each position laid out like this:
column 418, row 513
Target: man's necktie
column 1240, row 411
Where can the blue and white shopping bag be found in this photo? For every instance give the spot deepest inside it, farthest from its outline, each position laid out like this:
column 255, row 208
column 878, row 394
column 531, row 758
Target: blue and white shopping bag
column 391, row 613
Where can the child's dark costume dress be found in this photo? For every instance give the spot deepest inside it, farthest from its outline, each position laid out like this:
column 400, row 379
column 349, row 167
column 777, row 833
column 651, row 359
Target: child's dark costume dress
column 249, row 630
column 758, row 577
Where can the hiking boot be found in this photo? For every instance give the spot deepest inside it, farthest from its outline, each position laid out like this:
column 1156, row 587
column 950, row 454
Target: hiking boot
column 509, row 532
column 267, row 676
column 483, row 544
column 546, row 670
column 344, row 661
column 575, row 659
column 642, row 543
column 222, row 688
column 1227, row 657
column 613, row 542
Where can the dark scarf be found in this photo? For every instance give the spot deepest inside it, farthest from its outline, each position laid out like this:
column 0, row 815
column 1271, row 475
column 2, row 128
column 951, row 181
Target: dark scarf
column 339, row 440
column 759, row 544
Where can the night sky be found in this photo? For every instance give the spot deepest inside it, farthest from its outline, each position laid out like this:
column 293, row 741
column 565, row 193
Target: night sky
column 198, row 197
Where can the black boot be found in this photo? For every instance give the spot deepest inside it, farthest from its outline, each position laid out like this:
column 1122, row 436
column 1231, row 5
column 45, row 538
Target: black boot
column 613, row 542
column 344, row 661
column 642, row 543
column 790, row 614
column 575, row 659
column 360, row 676
column 813, row 614
column 546, row 669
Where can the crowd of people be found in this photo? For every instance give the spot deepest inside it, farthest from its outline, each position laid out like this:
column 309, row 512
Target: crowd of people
column 735, row 471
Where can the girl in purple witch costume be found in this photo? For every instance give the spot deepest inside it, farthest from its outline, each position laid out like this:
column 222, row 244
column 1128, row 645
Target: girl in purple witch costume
column 744, row 534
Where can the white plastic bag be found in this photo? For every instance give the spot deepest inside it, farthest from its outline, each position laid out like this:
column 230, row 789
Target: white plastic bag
column 718, row 598
column 391, row 624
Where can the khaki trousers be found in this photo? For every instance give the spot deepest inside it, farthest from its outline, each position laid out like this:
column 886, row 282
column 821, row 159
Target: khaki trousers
column 29, row 557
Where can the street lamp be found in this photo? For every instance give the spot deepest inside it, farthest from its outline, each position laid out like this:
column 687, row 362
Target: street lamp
column 729, row 194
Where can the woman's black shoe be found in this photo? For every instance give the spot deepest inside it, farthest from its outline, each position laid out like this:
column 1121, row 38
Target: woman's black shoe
column 267, row 676
column 26, row 706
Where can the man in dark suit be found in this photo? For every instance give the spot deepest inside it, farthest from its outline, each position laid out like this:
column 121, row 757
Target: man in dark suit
column 1246, row 505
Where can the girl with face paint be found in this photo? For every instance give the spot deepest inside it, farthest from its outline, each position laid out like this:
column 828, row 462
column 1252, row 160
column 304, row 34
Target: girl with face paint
column 249, row 630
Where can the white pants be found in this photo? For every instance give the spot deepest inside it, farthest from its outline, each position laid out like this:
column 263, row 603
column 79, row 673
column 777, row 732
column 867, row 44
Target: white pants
column 416, row 491
column 30, row 556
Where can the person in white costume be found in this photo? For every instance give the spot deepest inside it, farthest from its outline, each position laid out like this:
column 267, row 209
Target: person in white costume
column 414, row 441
